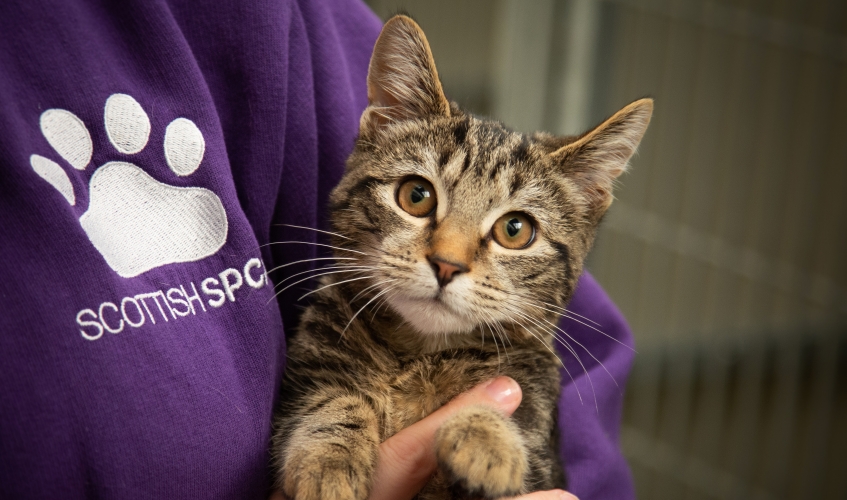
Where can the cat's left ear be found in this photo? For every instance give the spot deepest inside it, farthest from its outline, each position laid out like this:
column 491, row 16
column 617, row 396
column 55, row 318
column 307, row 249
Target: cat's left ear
column 600, row 155
column 403, row 83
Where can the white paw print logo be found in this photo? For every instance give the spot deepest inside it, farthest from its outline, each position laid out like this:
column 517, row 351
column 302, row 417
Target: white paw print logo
column 136, row 222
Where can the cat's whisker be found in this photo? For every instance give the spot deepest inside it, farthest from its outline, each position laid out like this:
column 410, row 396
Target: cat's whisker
column 487, row 323
column 505, row 334
column 580, row 345
column 533, row 333
column 314, row 244
column 565, row 315
column 546, row 330
column 383, row 302
column 536, row 336
column 493, row 340
column 277, row 294
column 563, row 342
column 390, row 296
column 364, row 290
column 333, row 284
column 569, row 348
column 307, row 278
column 375, row 308
column 503, row 338
column 568, row 311
column 319, row 269
column 331, row 233
column 589, row 353
column 363, row 308
column 518, row 311
column 560, row 309
column 498, row 328
column 316, row 230
column 310, row 260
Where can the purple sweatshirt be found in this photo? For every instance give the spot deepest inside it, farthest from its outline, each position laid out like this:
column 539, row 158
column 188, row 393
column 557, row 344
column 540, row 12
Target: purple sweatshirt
column 148, row 150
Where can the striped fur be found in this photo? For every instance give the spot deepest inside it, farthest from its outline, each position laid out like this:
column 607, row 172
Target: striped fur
column 382, row 345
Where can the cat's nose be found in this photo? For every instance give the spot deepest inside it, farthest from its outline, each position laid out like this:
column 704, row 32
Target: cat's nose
column 445, row 270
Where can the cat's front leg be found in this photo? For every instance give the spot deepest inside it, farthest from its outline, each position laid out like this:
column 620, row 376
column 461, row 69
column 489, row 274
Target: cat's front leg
column 330, row 451
column 483, row 453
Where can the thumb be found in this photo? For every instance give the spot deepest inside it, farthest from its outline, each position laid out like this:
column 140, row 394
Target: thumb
column 407, row 459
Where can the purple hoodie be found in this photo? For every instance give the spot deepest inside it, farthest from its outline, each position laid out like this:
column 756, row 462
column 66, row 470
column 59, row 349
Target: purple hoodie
column 147, row 151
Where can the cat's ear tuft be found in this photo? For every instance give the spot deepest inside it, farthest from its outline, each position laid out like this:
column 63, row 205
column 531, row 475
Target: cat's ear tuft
column 403, row 83
column 600, row 155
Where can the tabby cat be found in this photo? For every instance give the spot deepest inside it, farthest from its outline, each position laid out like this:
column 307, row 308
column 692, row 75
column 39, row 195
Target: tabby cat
column 463, row 240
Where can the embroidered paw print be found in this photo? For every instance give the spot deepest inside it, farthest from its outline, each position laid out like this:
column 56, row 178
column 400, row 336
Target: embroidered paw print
column 136, row 222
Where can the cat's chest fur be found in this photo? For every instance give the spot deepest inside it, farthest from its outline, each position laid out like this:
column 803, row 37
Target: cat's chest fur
column 423, row 385
column 407, row 388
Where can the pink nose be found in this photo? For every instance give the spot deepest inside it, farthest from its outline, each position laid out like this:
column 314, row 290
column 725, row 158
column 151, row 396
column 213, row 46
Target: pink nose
column 445, row 270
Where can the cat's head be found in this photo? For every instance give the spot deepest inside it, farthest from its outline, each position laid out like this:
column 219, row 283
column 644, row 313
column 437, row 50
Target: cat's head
column 459, row 220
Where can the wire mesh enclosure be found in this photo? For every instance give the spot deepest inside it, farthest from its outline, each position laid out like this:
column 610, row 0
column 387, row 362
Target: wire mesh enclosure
column 727, row 246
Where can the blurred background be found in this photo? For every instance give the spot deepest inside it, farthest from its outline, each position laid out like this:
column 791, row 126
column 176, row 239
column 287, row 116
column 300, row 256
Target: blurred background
column 727, row 246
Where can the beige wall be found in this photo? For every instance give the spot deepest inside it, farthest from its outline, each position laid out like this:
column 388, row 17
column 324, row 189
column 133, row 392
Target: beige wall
column 733, row 220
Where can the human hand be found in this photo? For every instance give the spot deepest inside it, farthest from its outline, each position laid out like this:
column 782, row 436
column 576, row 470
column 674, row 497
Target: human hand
column 407, row 459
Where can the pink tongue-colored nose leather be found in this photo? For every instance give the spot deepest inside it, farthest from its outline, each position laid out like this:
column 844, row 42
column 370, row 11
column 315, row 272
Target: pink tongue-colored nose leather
column 445, row 271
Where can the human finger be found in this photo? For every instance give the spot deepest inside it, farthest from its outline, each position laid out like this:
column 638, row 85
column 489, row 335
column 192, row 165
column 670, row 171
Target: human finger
column 407, row 459
column 547, row 495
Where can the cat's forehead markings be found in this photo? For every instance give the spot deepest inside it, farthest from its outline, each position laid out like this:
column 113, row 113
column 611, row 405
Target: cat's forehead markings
column 444, row 158
column 466, row 162
column 520, row 153
column 493, row 133
column 460, row 131
column 454, row 167
column 424, row 163
column 516, row 182
column 496, row 166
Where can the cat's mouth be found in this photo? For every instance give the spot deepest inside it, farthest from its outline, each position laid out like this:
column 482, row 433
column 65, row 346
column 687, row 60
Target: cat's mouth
column 432, row 315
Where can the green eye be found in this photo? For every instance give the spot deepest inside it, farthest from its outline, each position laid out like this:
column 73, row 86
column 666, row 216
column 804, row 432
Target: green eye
column 514, row 231
column 417, row 197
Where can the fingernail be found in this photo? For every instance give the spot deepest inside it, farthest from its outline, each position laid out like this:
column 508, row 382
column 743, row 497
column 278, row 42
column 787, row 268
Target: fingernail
column 503, row 390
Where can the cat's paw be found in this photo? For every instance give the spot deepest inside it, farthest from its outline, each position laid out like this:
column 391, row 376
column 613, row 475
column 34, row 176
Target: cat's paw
column 329, row 454
column 483, row 453
column 325, row 478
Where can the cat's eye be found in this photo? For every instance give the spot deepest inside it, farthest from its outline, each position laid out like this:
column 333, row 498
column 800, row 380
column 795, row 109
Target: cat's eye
column 416, row 196
column 514, row 231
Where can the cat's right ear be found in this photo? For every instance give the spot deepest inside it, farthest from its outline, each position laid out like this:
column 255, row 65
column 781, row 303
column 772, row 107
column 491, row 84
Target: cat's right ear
column 403, row 83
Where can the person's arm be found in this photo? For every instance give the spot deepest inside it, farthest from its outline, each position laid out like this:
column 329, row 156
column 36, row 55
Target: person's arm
column 407, row 459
